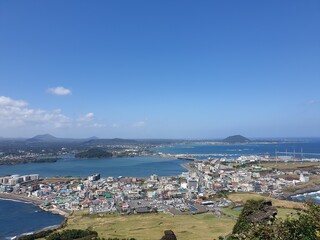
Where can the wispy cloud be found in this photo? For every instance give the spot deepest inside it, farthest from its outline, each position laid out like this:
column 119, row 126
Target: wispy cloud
column 98, row 125
column 60, row 91
column 313, row 101
column 14, row 113
column 17, row 113
column 139, row 124
column 6, row 101
column 86, row 118
column 115, row 125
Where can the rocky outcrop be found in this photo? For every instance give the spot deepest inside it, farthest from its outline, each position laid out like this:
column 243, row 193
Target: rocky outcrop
column 169, row 235
column 255, row 211
column 264, row 214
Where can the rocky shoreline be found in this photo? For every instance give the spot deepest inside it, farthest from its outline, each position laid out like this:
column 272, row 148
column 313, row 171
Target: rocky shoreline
column 301, row 191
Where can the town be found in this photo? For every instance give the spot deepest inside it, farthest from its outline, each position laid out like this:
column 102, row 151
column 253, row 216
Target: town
column 201, row 189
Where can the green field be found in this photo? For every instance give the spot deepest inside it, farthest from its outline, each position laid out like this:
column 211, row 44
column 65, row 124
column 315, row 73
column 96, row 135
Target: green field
column 243, row 197
column 152, row 226
column 282, row 212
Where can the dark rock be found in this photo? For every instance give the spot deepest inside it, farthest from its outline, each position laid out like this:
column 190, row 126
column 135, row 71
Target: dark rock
column 255, row 211
column 265, row 213
column 169, row 235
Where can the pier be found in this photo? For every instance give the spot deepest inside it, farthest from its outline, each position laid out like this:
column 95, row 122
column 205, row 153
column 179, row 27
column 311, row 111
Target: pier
column 298, row 153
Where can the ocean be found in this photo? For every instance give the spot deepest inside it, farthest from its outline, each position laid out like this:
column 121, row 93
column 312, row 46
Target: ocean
column 236, row 150
column 313, row 196
column 17, row 218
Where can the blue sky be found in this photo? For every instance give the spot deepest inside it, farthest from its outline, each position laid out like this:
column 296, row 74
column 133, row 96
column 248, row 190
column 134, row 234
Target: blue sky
column 160, row 69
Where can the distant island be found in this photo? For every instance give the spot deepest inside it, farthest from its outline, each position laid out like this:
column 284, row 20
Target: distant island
column 94, row 153
column 236, row 139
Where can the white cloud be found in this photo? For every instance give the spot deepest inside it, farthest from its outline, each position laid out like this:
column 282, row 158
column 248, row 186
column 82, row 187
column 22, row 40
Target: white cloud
column 17, row 116
column 139, row 124
column 60, row 91
column 6, row 101
column 86, row 118
column 14, row 113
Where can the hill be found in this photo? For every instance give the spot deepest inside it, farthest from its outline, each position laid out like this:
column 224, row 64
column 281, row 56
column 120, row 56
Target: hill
column 94, row 153
column 43, row 138
column 236, row 139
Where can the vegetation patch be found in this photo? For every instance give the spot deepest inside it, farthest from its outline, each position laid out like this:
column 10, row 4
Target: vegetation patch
column 244, row 197
column 94, row 153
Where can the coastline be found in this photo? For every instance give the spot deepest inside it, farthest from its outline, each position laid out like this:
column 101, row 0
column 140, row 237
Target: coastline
column 185, row 166
column 44, row 231
column 17, row 197
column 302, row 191
column 35, row 201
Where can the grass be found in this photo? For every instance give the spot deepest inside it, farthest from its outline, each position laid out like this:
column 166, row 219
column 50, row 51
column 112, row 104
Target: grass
column 231, row 212
column 152, row 226
column 243, row 197
column 282, row 212
column 292, row 165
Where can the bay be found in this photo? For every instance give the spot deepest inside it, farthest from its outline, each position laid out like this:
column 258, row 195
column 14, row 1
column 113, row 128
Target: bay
column 17, row 218
column 125, row 166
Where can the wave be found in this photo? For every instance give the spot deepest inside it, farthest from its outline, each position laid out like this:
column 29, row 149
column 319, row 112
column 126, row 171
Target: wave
column 307, row 194
column 29, row 233
column 312, row 196
column 50, row 227
column 11, row 238
column 21, row 235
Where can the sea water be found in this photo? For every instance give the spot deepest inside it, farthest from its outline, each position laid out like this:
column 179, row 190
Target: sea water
column 17, row 218
column 236, row 150
column 125, row 166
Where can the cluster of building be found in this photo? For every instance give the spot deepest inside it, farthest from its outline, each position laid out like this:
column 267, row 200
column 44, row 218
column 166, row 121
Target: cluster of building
column 195, row 191
column 235, row 176
column 8, row 183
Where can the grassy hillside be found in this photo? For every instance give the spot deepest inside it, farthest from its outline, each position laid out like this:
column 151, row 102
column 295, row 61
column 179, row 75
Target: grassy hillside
column 152, row 226
column 243, row 197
